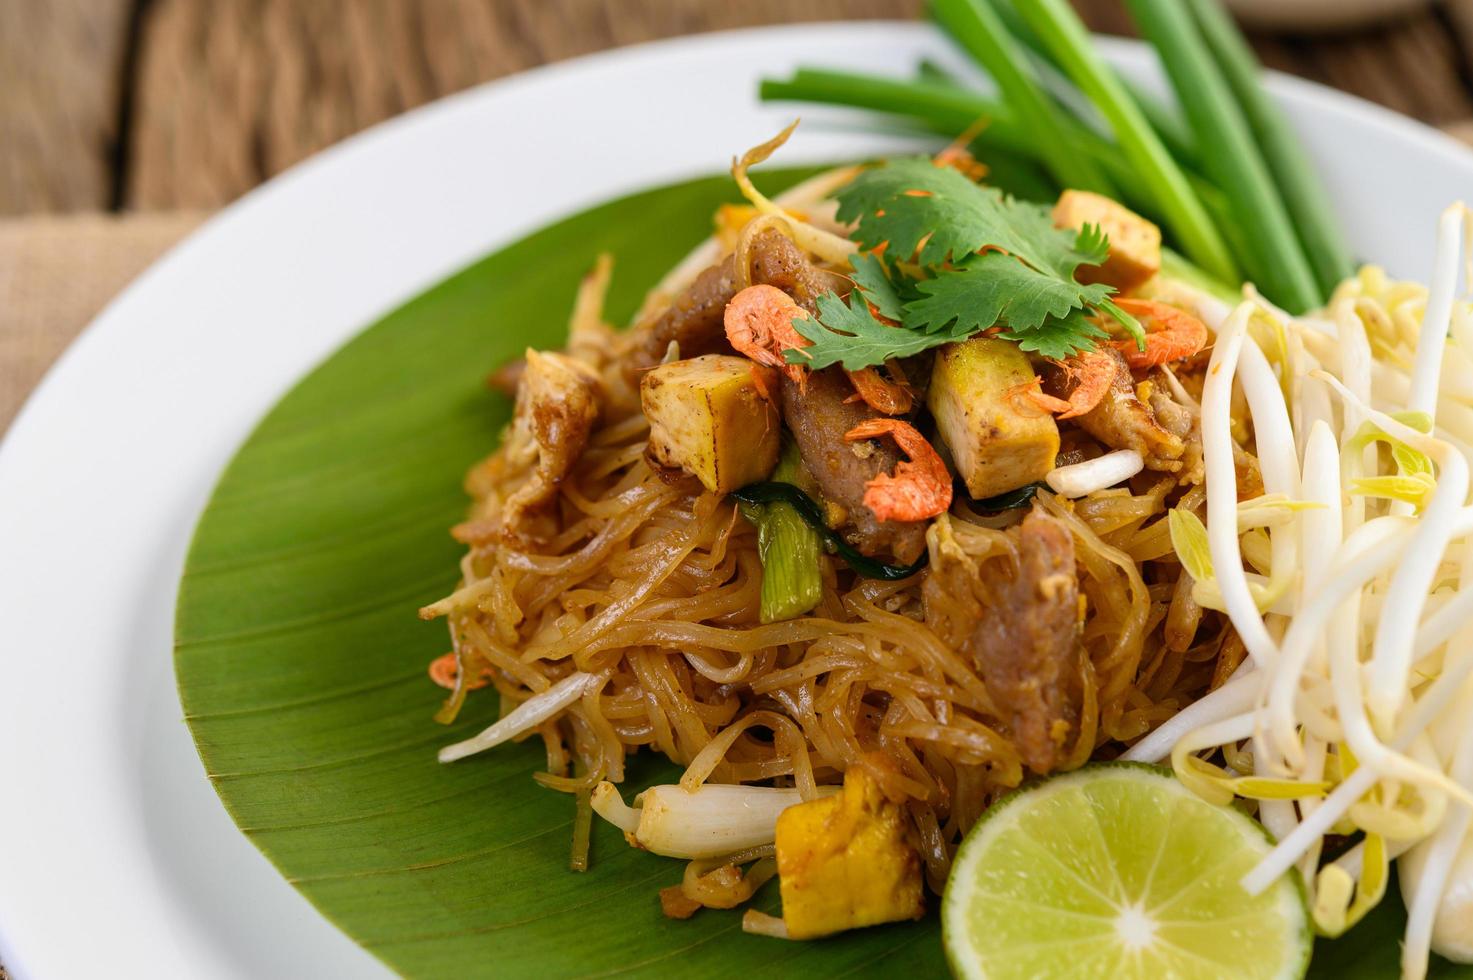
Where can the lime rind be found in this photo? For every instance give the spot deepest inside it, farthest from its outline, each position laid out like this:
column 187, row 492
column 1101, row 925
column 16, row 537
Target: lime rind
column 1118, row 870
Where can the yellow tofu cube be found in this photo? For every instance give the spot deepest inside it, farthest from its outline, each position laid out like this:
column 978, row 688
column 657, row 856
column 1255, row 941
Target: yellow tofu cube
column 1135, row 243
column 843, row 862
column 997, row 441
column 709, row 417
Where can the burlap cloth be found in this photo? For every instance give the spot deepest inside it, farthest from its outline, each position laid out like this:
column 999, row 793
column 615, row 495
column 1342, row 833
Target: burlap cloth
column 56, row 274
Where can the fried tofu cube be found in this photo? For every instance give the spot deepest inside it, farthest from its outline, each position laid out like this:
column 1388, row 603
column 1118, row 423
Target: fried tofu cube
column 710, row 417
column 998, row 441
column 1135, row 243
column 843, row 862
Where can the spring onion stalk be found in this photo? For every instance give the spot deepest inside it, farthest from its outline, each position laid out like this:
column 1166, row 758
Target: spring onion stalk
column 1079, row 479
column 788, row 547
column 527, row 715
column 1175, row 266
column 975, row 26
column 929, row 71
column 759, row 923
column 771, row 491
column 1168, row 126
column 1020, row 176
column 1302, row 192
column 944, row 107
column 949, row 110
column 1275, row 261
column 1061, row 31
column 712, row 821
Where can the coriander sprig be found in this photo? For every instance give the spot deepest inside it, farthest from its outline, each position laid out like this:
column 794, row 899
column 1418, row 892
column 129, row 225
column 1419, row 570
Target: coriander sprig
column 984, row 260
column 1232, row 190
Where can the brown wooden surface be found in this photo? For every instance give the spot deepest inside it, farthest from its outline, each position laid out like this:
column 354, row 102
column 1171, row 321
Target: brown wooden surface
column 162, row 109
column 61, row 83
column 156, row 104
column 275, row 80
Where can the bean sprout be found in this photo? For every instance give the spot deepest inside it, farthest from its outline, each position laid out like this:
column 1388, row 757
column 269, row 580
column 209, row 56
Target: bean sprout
column 1356, row 609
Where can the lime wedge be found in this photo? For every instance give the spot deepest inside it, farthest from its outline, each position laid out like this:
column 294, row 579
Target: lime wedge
column 1118, row 871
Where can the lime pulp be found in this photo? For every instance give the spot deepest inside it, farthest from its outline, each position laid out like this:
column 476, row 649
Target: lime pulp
column 1117, row 870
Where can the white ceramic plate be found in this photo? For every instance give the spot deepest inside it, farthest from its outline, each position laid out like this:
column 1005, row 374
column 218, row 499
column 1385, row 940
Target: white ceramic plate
column 116, row 859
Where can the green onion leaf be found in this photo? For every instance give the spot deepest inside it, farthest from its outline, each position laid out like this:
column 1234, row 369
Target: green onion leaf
column 1061, row 31
column 976, row 27
column 1303, row 193
column 770, row 492
column 791, row 581
column 1230, row 155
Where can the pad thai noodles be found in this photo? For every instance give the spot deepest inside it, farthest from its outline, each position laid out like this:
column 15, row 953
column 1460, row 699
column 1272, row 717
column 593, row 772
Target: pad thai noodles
column 900, row 492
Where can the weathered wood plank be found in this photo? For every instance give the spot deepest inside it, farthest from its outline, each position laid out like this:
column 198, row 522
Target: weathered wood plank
column 272, row 81
column 233, row 91
column 1414, row 65
column 61, row 67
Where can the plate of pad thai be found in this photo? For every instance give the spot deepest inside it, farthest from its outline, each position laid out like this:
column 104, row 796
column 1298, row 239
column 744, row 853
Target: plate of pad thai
column 1010, row 522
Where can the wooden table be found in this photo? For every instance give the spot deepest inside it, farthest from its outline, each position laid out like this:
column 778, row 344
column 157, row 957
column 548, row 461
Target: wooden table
column 124, row 122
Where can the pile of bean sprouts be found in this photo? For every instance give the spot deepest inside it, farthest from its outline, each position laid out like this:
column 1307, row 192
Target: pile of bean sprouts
column 1349, row 720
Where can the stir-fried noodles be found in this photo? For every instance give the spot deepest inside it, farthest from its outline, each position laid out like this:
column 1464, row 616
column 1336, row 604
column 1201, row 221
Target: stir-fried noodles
column 648, row 587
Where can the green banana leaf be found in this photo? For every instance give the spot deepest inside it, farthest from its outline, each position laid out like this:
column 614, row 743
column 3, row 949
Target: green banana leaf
column 301, row 661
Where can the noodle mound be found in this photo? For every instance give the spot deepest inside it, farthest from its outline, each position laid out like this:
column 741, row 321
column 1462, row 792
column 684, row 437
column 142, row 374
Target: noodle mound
column 653, row 586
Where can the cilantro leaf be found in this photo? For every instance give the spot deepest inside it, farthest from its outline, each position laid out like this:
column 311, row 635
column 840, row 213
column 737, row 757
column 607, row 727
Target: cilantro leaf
column 1058, row 337
column 1131, row 324
column 875, row 284
column 848, row 334
column 996, row 288
column 986, row 260
column 913, row 204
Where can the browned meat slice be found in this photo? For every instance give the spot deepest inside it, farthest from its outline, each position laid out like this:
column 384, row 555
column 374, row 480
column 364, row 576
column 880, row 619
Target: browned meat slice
column 1026, row 642
column 694, row 319
column 558, row 400
column 1121, row 420
column 818, row 418
column 776, row 261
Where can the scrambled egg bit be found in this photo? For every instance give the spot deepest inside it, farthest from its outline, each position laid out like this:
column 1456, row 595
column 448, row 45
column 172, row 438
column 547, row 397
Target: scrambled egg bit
column 844, row 862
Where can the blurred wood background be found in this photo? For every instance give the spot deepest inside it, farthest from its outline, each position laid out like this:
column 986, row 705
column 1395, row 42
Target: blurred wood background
column 186, row 104
column 123, row 122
